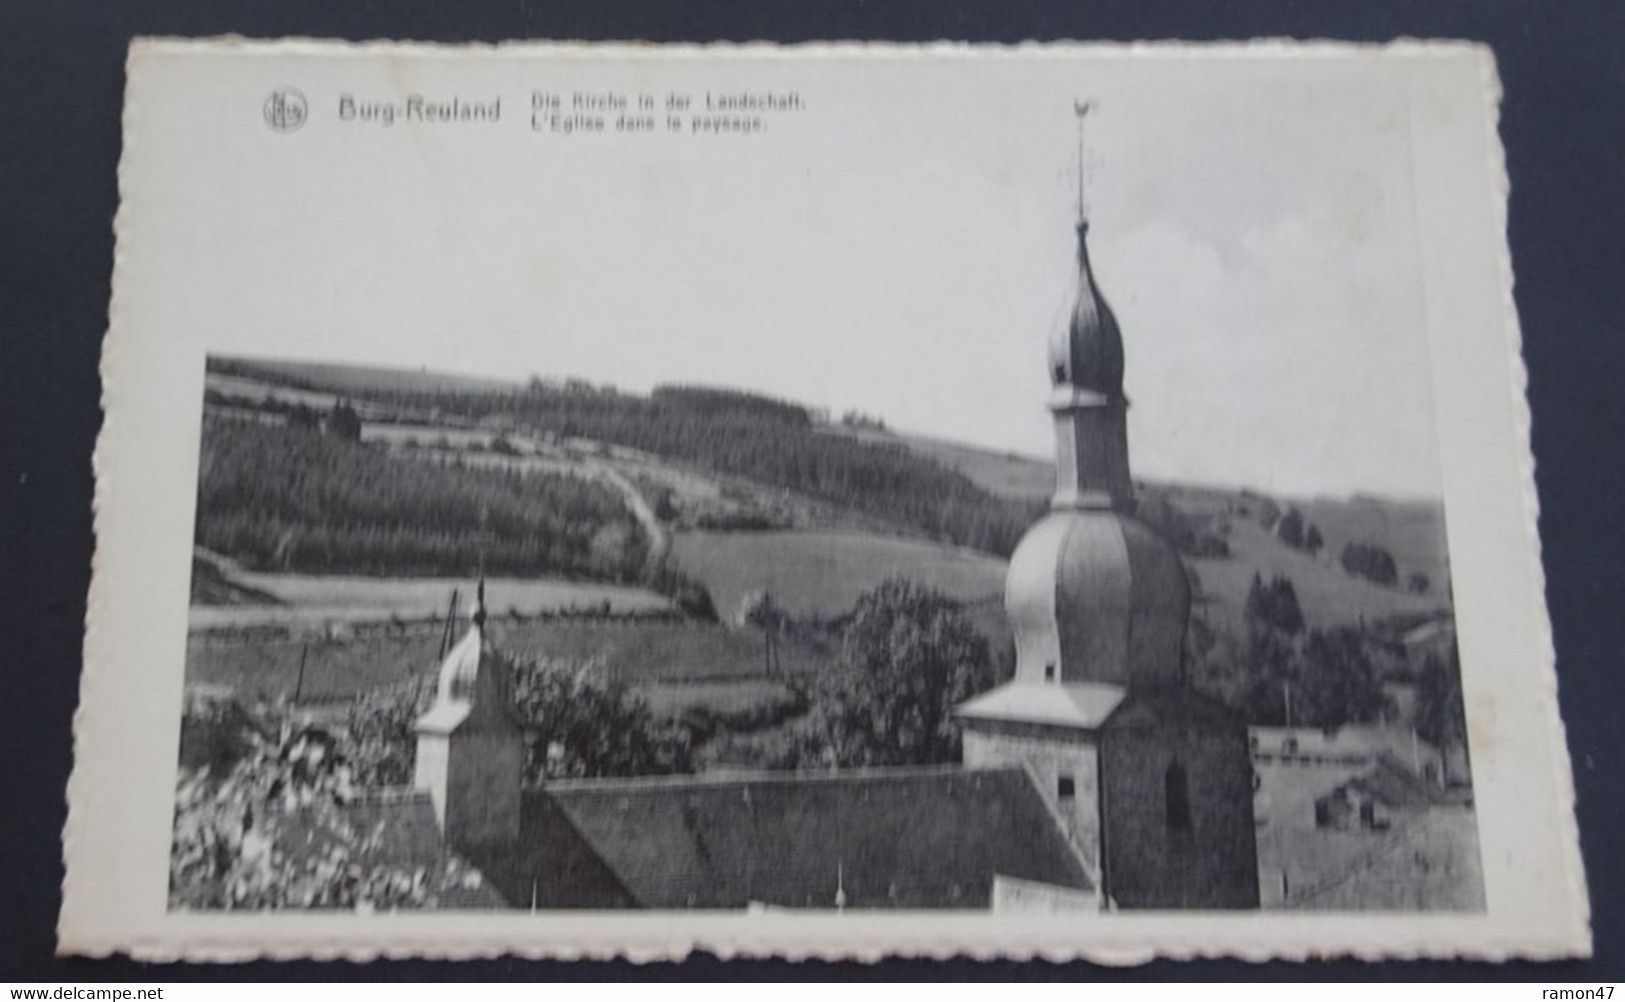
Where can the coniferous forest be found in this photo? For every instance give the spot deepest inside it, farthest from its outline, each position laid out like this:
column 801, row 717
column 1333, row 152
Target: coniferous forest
column 290, row 498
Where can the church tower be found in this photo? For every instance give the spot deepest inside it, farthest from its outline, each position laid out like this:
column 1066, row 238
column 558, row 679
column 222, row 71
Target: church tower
column 1152, row 780
column 470, row 750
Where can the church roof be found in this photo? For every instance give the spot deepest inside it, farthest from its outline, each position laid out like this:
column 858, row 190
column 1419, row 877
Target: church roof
column 1084, row 705
column 927, row 837
column 885, row 838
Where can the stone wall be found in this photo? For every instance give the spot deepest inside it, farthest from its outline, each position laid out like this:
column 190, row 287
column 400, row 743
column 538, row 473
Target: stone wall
column 1052, row 754
column 1203, row 857
column 483, row 784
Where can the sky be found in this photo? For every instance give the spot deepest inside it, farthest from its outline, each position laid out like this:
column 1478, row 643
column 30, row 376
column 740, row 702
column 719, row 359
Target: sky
column 903, row 247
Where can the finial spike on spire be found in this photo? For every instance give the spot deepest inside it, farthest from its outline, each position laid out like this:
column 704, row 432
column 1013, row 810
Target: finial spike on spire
column 1082, row 108
column 479, row 601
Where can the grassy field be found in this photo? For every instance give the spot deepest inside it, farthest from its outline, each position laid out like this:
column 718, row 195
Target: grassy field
column 674, row 664
column 823, row 573
column 310, row 600
column 332, row 669
column 639, row 651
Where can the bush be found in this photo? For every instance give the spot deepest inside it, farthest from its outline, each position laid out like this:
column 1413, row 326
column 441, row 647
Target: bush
column 909, row 656
column 271, row 831
column 344, row 423
column 577, row 725
column 383, row 732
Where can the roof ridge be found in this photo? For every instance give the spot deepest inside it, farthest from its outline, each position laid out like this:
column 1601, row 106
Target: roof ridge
column 770, row 776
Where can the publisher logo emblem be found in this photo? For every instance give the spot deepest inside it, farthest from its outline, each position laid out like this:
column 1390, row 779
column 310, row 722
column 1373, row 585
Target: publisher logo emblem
column 285, row 109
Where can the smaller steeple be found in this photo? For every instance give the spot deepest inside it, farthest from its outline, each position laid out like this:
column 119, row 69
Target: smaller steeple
column 470, row 751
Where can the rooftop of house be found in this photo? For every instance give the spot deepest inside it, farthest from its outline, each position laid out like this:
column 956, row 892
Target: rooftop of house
column 1391, row 783
column 1357, row 741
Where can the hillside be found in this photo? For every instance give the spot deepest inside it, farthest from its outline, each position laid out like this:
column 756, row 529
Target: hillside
column 754, row 493
column 724, row 432
column 1411, row 530
column 1327, row 594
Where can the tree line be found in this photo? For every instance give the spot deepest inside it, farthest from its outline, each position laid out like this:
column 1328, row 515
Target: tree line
column 1282, row 672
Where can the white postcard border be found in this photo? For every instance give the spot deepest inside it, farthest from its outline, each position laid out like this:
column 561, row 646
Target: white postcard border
column 120, row 794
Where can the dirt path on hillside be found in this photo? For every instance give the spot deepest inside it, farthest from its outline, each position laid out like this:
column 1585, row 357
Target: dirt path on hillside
column 638, row 505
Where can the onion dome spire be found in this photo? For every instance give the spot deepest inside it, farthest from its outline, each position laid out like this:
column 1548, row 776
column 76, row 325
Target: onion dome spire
column 1097, row 601
column 1086, row 373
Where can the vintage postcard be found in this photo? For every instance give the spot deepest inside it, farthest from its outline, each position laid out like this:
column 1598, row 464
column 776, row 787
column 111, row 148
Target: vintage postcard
column 570, row 500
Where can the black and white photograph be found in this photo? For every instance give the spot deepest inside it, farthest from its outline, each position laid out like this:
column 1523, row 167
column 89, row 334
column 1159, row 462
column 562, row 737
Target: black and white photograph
column 838, row 485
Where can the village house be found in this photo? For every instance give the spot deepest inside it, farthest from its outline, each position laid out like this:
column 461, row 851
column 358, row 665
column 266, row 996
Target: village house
column 1361, row 816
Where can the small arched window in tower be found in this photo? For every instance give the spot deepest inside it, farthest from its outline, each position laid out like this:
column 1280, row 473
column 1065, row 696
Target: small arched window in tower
column 1049, row 672
column 1066, row 788
column 1176, row 799
column 1060, row 372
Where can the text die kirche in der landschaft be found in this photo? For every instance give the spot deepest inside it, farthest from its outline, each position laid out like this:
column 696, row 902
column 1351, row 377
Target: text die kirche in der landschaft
column 706, row 113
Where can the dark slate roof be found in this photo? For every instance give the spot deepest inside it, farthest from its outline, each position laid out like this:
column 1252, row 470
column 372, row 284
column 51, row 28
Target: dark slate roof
column 906, row 838
column 888, row 838
column 1174, row 704
column 551, row 865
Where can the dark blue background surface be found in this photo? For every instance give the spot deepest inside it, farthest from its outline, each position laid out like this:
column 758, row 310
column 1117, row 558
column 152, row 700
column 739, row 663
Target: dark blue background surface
column 61, row 83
